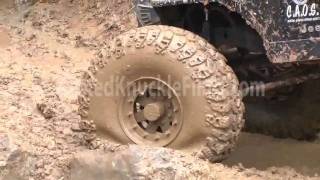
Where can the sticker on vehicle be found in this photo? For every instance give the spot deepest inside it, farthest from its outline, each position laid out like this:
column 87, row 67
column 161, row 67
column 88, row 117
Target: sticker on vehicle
column 300, row 19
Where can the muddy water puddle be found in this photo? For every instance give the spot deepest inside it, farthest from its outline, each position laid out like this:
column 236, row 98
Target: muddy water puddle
column 262, row 152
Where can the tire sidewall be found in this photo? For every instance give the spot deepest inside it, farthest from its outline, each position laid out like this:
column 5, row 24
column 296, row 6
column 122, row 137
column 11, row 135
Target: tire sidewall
column 139, row 63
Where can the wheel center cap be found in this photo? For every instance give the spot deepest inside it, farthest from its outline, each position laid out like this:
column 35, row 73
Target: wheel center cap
column 153, row 111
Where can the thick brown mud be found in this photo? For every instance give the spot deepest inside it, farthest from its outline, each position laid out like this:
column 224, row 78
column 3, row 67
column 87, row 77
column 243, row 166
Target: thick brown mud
column 264, row 152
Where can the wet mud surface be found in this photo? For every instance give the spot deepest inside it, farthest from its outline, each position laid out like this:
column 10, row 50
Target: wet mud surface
column 263, row 152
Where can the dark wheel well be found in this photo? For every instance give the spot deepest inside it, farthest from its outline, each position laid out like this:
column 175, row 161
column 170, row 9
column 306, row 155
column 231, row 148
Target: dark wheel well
column 225, row 29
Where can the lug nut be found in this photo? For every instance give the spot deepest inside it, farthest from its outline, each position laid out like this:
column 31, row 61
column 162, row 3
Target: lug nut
column 145, row 136
column 167, row 134
column 175, row 123
column 144, row 124
column 138, row 107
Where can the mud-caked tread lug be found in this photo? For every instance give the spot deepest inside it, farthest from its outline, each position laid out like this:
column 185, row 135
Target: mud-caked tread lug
column 206, row 66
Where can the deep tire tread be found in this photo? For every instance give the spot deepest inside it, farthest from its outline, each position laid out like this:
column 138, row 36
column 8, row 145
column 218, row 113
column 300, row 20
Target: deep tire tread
column 223, row 97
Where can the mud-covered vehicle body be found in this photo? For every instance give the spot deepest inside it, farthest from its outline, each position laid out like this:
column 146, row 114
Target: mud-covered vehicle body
column 288, row 30
column 275, row 43
column 180, row 78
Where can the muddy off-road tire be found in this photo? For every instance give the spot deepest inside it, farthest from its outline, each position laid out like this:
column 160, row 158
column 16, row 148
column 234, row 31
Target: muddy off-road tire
column 203, row 116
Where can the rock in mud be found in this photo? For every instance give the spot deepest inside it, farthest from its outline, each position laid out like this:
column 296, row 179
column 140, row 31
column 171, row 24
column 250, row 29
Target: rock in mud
column 9, row 152
column 50, row 106
column 22, row 5
column 132, row 163
column 47, row 110
column 14, row 162
column 144, row 163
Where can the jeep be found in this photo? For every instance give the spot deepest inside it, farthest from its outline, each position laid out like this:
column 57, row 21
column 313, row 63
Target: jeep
column 181, row 76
